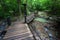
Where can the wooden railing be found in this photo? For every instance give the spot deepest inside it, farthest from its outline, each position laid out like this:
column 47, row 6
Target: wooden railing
column 30, row 18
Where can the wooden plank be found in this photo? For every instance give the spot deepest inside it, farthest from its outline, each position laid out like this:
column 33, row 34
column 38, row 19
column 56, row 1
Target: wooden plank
column 18, row 31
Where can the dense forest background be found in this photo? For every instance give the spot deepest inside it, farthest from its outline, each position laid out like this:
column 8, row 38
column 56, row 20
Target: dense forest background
column 15, row 7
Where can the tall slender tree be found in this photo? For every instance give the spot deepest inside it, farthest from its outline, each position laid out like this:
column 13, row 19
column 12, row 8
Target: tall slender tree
column 19, row 6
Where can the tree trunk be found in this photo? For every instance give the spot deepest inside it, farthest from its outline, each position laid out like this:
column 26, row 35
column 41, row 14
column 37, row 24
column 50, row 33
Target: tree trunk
column 19, row 6
column 19, row 9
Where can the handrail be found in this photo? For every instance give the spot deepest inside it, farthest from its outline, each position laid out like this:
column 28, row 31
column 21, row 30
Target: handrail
column 30, row 18
column 33, row 27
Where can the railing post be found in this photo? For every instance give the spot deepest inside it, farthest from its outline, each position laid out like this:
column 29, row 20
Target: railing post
column 25, row 12
column 8, row 21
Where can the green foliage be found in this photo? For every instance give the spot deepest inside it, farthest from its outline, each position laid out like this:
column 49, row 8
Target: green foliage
column 53, row 6
column 40, row 4
column 8, row 8
column 11, row 7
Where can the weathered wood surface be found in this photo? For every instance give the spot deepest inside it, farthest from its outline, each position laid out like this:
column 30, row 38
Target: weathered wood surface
column 18, row 32
column 30, row 18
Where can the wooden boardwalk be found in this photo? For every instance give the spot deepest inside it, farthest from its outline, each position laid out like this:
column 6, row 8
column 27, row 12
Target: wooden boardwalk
column 18, row 31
